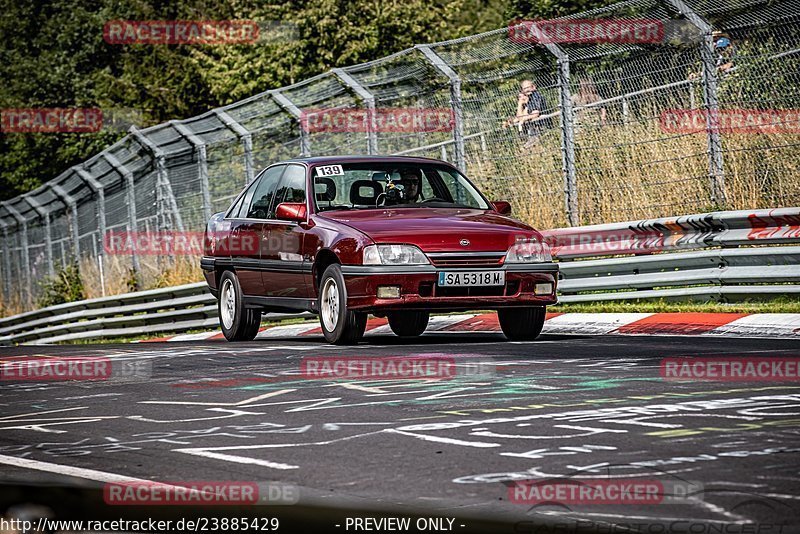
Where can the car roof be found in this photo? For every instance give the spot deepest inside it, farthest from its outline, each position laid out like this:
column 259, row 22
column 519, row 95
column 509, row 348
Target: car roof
column 315, row 160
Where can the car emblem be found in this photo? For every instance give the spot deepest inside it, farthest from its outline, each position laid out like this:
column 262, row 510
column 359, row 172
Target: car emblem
column 464, row 242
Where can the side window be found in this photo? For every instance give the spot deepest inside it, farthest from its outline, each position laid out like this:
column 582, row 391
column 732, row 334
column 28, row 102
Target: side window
column 260, row 205
column 427, row 189
column 235, row 209
column 293, row 185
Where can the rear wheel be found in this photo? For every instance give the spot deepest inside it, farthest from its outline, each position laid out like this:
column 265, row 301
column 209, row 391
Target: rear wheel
column 408, row 323
column 339, row 325
column 237, row 322
column 521, row 324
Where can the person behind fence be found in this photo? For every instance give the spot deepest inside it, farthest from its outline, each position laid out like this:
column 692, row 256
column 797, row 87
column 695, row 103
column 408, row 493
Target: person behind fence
column 588, row 116
column 723, row 52
column 530, row 106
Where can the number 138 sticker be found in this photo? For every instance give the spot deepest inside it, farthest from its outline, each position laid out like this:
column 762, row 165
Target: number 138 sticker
column 330, row 170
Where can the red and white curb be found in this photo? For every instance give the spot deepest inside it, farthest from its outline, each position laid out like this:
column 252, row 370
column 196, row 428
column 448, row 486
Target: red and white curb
column 769, row 325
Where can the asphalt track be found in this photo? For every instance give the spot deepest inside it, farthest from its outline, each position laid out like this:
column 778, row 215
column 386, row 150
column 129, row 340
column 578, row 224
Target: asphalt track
column 583, row 407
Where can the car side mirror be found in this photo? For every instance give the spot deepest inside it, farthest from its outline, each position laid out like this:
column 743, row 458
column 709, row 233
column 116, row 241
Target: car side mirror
column 502, row 207
column 291, row 211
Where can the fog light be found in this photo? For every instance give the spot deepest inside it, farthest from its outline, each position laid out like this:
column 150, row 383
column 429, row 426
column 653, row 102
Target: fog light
column 389, row 292
column 543, row 289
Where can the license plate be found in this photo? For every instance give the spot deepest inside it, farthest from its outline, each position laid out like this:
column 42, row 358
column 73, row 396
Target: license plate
column 471, row 278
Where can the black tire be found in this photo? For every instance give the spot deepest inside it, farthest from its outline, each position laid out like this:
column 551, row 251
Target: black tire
column 340, row 326
column 254, row 325
column 408, row 323
column 521, row 324
column 237, row 322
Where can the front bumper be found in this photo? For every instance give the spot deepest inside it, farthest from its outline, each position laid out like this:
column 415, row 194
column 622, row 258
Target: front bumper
column 419, row 290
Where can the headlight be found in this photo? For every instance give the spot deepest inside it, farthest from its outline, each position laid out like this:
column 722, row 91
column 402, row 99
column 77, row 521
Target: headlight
column 394, row 255
column 529, row 251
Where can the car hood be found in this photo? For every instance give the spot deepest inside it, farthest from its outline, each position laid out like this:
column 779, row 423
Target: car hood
column 437, row 229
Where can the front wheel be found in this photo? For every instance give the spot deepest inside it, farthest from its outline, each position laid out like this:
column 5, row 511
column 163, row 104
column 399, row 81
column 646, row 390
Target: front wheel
column 339, row 325
column 408, row 323
column 237, row 322
column 521, row 324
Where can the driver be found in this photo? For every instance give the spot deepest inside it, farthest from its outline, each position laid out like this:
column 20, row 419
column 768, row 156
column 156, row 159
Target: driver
column 412, row 184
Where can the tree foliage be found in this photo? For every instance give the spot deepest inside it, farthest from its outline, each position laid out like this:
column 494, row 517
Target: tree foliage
column 52, row 54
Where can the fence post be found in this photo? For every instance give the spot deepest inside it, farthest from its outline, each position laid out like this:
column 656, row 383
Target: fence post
column 246, row 138
column 455, row 101
column 567, row 134
column 98, row 189
column 73, row 208
column 6, row 261
column 48, row 238
column 202, row 165
column 294, row 111
column 161, row 169
column 130, row 194
column 369, row 100
column 22, row 223
column 716, row 169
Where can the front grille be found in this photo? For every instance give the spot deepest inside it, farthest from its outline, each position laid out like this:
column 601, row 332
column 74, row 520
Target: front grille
column 467, row 259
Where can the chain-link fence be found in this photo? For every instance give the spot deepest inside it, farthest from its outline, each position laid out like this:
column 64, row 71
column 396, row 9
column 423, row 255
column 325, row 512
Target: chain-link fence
column 617, row 136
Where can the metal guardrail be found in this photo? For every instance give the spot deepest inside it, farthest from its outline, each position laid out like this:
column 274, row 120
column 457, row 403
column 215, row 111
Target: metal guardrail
column 172, row 309
column 645, row 259
column 745, row 255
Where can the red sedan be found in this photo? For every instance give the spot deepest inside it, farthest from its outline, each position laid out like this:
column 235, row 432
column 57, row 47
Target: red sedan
column 398, row 237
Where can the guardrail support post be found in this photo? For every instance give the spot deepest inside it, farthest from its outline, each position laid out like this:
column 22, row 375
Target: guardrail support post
column 369, row 100
column 98, row 189
column 161, row 167
column 22, row 223
column 202, row 165
column 73, row 209
column 48, row 237
column 246, row 138
column 130, row 193
column 294, row 111
column 716, row 168
column 455, row 101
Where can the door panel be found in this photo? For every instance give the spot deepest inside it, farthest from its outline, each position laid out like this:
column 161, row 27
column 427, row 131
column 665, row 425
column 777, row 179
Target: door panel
column 250, row 227
column 282, row 253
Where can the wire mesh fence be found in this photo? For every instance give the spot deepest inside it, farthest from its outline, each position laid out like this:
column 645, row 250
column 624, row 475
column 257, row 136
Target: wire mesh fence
column 625, row 128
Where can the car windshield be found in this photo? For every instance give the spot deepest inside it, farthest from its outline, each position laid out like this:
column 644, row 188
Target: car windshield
column 376, row 185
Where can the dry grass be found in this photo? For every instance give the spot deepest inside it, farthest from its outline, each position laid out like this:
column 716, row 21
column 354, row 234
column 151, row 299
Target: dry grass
column 635, row 171
column 154, row 272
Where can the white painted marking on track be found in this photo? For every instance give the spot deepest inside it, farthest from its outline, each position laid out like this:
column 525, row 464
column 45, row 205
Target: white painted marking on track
column 79, row 472
column 449, row 441
column 240, row 403
column 238, row 459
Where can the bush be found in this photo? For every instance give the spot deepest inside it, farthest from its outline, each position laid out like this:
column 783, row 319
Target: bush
column 65, row 286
